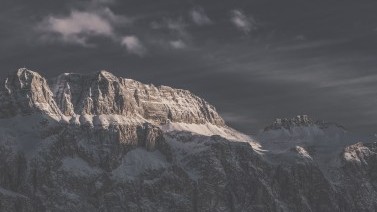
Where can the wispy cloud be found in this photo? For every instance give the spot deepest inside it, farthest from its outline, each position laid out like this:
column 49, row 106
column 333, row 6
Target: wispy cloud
column 98, row 2
column 113, row 18
column 176, row 26
column 178, row 44
column 243, row 22
column 133, row 45
column 80, row 25
column 199, row 17
column 77, row 27
column 173, row 32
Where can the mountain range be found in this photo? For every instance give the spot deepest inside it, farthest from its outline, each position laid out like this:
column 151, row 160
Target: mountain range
column 98, row 142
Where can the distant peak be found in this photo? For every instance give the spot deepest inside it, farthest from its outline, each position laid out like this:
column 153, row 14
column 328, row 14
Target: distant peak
column 299, row 121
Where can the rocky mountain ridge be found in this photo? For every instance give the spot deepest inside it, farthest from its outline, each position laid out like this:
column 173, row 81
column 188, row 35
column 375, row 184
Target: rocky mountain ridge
column 102, row 93
column 98, row 142
column 300, row 121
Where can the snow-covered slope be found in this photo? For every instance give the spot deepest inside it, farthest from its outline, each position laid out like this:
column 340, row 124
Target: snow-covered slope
column 98, row 142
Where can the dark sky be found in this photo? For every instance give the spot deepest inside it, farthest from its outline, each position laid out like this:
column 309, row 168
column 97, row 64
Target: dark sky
column 255, row 60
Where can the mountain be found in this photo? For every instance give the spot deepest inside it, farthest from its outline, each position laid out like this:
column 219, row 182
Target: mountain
column 302, row 130
column 104, row 94
column 98, row 142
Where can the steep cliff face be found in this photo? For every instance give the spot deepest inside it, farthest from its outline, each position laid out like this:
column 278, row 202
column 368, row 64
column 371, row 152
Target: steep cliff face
column 102, row 93
column 98, row 142
column 24, row 92
column 359, row 164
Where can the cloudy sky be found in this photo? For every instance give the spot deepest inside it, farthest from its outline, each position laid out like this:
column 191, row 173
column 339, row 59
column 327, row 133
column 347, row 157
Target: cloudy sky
column 255, row 60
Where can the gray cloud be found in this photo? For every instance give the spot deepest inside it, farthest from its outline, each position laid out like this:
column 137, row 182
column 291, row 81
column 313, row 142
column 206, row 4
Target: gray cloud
column 171, row 33
column 199, row 17
column 77, row 27
column 98, row 2
column 177, row 26
column 178, row 44
column 133, row 45
column 242, row 21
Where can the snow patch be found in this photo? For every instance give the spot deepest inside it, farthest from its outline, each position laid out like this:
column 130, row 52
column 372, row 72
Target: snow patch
column 7, row 192
column 302, row 152
column 78, row 167
column 104, row 121
column 138, row 161
column 209, row 129
column 185, row 145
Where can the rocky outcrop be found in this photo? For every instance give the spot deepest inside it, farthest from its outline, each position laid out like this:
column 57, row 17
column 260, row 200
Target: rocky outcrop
column 359, row 165
column 25, row 92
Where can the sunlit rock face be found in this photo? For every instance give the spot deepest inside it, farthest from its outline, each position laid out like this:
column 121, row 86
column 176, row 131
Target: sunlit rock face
column 98, row 142
column 103, row 93
column 24, row 92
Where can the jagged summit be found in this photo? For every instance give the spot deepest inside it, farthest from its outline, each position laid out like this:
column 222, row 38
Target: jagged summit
column 300, row 121
column 103, row 99
column 97, row 75
column 25, row 72
column 303, row 131
column 24, row 92
column 102, row 93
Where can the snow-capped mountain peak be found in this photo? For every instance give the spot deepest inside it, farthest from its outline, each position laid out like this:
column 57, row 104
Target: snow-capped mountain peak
column 98, row 142
column 299, row 121
column 103, row 93
column 103, row 100
column 302, row 131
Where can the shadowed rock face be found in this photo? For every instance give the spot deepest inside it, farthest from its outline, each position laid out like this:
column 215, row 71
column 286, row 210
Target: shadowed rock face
column 51, row 162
